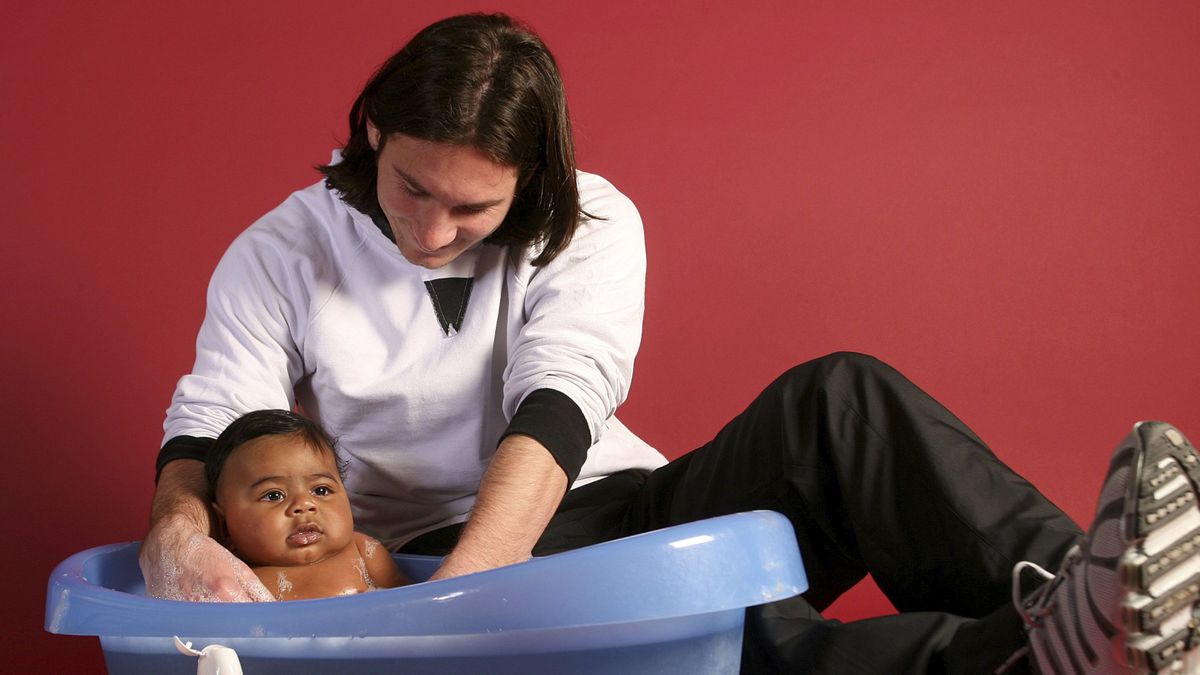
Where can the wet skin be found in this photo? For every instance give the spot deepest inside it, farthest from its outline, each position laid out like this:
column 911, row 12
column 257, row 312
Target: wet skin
column 287, row 515
column 283, row 503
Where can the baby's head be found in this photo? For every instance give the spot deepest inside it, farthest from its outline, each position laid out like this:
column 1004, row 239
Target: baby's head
column 275, row 481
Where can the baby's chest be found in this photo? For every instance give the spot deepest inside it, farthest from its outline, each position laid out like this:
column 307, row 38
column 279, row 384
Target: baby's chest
column 343, row 575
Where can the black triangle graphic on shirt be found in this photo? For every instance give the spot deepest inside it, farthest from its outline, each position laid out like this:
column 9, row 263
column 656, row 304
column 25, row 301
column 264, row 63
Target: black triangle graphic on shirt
column 450, row 296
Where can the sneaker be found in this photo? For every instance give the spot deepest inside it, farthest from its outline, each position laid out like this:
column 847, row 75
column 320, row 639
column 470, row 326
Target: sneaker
column 1127, row 598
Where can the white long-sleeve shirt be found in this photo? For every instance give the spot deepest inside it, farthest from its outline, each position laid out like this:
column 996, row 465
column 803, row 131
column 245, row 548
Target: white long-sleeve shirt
column 313, row 304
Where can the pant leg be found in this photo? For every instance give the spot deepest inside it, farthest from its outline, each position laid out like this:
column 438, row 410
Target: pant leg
column 875, row 476
column 790, row 636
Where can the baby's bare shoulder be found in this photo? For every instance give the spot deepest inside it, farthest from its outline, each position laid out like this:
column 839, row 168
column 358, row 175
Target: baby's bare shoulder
column 367, row 545
column 381, row 569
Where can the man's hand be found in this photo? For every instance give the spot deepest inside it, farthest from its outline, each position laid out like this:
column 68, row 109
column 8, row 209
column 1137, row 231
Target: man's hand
column 181, row 563
column 178, row 558
column 518, row 495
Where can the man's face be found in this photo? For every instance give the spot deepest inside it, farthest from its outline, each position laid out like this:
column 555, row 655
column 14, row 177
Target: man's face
column 440, row 199
column 283, row 502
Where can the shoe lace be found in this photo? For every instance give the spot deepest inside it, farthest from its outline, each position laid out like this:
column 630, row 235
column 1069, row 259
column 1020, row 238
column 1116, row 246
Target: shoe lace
column 1037, row 605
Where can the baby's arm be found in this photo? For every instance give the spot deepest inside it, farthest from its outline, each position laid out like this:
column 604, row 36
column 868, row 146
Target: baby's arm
column 380, row 567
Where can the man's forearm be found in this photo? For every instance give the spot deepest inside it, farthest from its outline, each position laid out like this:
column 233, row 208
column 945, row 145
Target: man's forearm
column 517, row 497
column 182, row 492
column 178, row 558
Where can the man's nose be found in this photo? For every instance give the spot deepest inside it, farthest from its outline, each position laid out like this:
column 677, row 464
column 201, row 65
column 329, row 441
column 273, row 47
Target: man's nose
column 436, row 230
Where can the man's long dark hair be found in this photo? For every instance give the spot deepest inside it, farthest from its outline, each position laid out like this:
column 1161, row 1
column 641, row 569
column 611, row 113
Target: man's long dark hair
column 481, row 80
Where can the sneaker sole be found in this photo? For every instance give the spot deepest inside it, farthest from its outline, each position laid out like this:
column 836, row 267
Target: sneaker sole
column 1160, row 571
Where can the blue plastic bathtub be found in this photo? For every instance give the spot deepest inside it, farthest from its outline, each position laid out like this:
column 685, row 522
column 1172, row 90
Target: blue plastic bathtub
column 661, row 602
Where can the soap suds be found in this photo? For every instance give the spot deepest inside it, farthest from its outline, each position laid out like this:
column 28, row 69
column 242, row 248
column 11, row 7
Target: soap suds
column 282, row 585
column 366, row 576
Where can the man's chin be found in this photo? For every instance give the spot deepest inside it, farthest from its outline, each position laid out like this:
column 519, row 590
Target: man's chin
column 429, row 262
column 432, row 261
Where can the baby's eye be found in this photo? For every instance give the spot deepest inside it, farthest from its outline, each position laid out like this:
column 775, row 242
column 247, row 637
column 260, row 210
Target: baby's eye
column 273, row 496
column 322, row 491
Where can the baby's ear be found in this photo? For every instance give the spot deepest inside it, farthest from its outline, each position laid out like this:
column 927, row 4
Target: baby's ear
column 220, row 531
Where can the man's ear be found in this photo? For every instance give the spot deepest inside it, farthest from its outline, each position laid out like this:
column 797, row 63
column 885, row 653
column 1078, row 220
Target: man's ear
column 373, row 136
column 526, row 176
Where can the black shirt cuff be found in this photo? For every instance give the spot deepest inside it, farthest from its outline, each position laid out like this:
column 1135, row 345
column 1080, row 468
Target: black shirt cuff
column 554, row 420
column 182, row 447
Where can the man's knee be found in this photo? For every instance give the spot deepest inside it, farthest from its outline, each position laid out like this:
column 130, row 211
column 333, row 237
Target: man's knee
column 838, row 366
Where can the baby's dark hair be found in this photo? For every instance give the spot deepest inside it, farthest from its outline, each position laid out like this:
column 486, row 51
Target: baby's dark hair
column 261, row 423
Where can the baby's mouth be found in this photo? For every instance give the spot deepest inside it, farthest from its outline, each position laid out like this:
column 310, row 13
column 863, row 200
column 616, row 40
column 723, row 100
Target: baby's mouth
column 304, row 535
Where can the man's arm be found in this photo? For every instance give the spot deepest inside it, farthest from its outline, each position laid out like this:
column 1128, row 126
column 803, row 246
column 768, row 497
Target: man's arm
column 519, row 493
column 179, row 560
column 180, row 495
column 568, row 370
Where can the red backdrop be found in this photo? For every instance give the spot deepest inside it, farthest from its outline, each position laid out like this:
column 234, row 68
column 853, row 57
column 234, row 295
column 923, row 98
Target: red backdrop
column 1000, row 201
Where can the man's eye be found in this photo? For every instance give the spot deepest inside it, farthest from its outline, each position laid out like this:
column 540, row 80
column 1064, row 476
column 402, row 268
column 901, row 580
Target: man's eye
column 273, row 496
column 322, row 491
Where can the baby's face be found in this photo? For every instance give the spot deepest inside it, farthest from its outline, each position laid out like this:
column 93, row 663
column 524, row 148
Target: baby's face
column 283, row 502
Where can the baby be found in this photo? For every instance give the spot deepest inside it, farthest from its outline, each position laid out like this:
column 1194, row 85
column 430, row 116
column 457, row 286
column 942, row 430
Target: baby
column 274, row 480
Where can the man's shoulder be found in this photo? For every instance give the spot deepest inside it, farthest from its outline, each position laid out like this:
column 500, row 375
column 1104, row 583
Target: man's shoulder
column 607, row 209
column 314, row 211
column 594, row 186
column 310, row 224
column 294, row 248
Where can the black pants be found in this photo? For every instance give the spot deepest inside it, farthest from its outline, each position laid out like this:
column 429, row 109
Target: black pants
column 875, row 477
